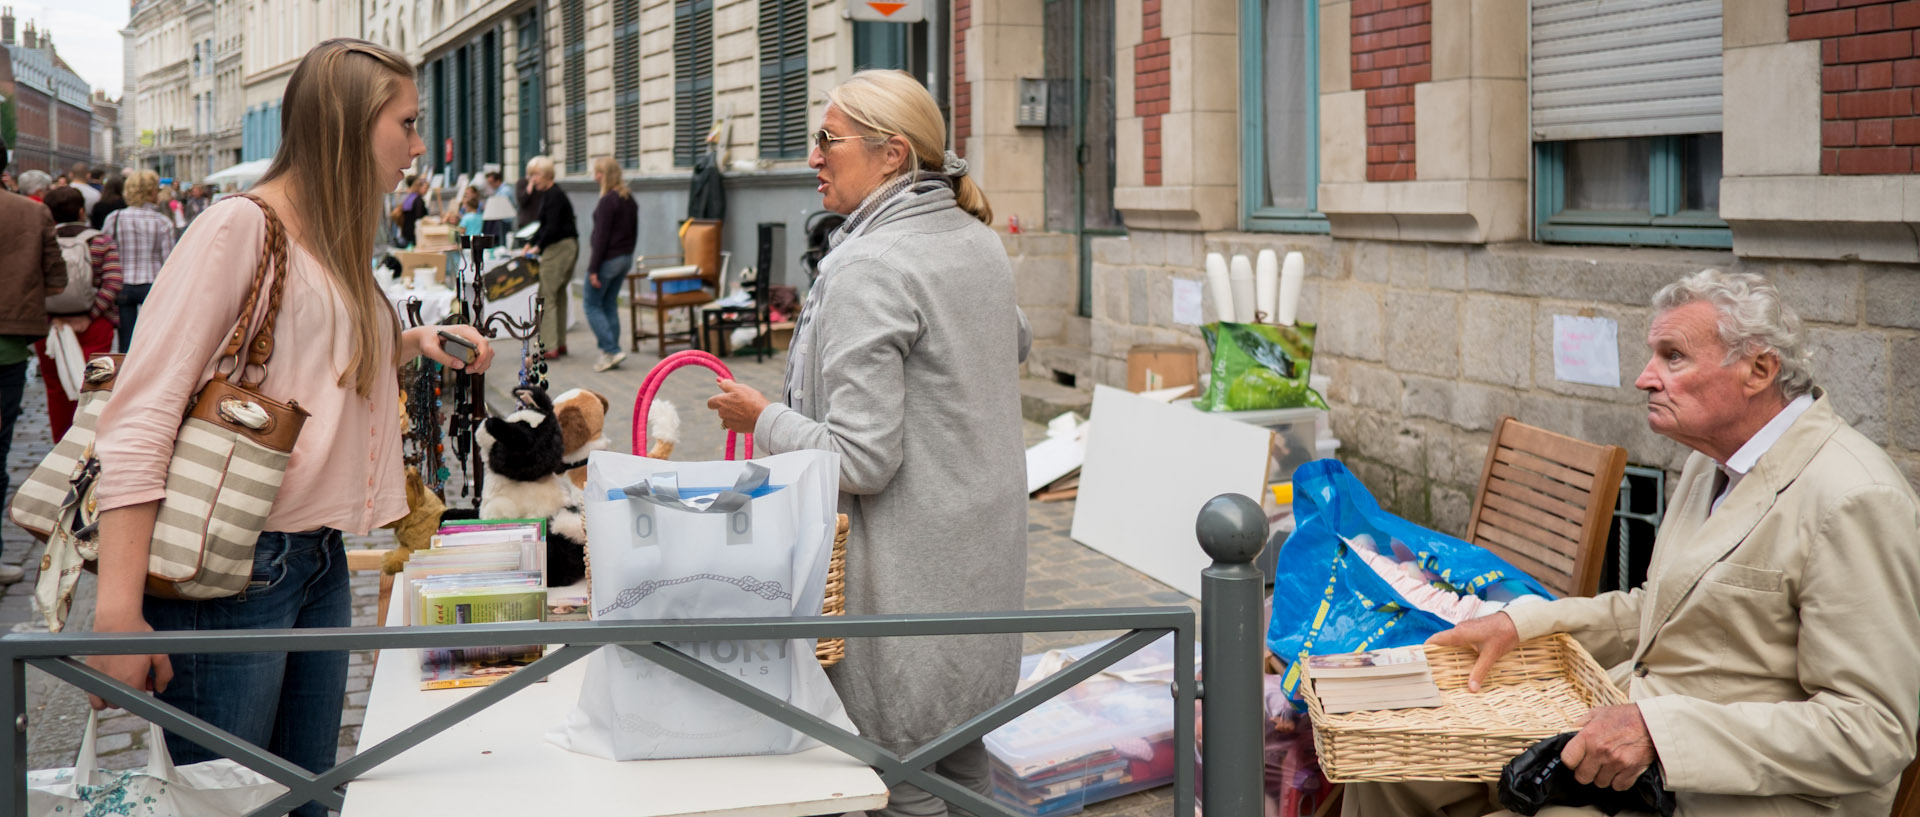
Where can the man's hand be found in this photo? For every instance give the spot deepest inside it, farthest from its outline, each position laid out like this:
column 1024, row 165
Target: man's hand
column 739, row 406
column 78, row 323
column 1490, row 636
column 1612, row 749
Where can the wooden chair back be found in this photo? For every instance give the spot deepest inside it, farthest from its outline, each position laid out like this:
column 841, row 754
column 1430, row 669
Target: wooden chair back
column 1545, row 504
column 700, row 246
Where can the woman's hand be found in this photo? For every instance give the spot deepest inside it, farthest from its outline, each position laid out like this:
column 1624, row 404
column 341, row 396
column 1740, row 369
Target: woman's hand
column 739, row 406
column 147, row 673
column 425, row 340
column 593, row 280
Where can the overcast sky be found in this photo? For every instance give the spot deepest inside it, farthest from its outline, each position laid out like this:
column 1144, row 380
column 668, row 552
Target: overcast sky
column 85, row 32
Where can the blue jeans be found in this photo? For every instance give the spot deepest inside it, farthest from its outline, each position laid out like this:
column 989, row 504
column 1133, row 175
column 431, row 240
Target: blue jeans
column 288, row 703
column 129, row 300
column 603, row 303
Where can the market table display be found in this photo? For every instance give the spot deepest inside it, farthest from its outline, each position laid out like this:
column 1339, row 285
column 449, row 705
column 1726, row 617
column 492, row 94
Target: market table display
column 499, row 762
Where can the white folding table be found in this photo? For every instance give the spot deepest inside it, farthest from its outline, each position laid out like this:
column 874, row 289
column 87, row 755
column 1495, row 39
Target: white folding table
column 499, row 762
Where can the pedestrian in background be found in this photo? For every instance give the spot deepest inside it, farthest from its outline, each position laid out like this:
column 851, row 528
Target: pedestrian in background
column 499, row 228
column 30, row 270
column 616, row 223
column 195, row 204
column 83, row 181
column 144, row 235
column 34, row 185
column 350, row 108
column 94, row 326
column 413, row 207
column 112, row 197
column 558, row 247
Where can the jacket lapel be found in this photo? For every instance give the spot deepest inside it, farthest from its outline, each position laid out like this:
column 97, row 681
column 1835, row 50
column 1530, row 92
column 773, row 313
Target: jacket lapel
column 1691, row 556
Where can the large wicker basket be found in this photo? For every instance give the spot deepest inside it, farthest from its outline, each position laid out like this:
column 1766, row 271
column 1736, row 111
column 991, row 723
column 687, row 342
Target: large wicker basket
column 831, row 650
column 1535, row 692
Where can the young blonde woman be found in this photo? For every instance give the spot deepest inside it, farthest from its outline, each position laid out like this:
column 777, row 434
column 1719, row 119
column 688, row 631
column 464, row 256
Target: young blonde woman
column 616, row 223
column 907, row 363
column 349, row 117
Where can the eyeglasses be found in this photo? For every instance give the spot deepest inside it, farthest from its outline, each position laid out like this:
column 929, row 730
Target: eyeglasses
column 824, row 140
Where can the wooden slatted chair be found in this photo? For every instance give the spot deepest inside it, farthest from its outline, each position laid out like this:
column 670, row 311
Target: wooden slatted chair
column 701, row 259
column 1545, row 504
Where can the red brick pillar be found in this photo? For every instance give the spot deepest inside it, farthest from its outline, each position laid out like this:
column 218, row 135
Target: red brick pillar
column 1869, row 83
column 1392, row 50
column 962, row 89
column 1152, row 85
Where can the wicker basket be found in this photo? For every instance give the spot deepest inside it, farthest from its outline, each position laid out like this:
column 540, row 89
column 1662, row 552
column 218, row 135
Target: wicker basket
column 1535, row 692
column 831, row 650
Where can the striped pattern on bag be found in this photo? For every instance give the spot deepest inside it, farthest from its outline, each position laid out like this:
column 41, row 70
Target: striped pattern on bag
column 220, row 488
column 36, row 505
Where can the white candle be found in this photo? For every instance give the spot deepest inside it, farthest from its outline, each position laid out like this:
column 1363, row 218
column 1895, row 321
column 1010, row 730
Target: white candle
column 1219, row 286
column 1242, row 277
column 1292, row 274
column 1266, row 283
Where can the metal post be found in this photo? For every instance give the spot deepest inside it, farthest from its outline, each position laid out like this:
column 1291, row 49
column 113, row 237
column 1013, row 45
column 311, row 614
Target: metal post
column 13, row 748
column 1232, row 529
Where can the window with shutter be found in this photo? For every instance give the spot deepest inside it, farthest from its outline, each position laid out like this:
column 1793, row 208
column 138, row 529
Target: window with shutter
column 626, row 82
column 783, row 79
column 1625, row 118
column 530, row 75
column 692, row 78
column 574, row 53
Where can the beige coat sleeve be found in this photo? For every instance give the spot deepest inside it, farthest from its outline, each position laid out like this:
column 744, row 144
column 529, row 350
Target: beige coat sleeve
column 1608, row 625
column 1858, row 624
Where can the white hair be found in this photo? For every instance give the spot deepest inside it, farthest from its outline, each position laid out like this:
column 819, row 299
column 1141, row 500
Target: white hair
column 34, row 181
column 1752, row 320
column 540, row 166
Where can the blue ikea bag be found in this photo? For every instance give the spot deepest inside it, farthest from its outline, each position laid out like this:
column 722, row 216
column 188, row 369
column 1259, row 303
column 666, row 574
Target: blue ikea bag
column 1325, row 600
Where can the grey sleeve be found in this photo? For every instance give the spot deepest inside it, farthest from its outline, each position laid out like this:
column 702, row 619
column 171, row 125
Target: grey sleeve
column 865, row 331
column 1026, row 334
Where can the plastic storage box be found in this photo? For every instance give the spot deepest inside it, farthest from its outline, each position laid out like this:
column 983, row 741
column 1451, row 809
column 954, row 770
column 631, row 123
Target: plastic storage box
column 1111, row 735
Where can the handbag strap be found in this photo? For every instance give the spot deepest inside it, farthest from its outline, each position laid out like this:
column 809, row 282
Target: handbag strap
column 651, row 387
column 273, row 256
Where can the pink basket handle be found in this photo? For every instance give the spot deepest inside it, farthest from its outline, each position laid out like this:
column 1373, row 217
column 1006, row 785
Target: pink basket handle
column 651, row 386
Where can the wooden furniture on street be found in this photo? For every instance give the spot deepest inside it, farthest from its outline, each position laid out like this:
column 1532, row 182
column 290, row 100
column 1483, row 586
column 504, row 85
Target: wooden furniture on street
column 700, row 259
column 1545, row 504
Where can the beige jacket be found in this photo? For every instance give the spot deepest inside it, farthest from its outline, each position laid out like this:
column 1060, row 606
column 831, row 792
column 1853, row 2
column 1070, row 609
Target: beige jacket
column 1775, row 648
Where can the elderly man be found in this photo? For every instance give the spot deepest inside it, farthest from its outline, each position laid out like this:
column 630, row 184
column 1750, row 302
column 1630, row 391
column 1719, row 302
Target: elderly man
column 1770, row 656
column 558, row 246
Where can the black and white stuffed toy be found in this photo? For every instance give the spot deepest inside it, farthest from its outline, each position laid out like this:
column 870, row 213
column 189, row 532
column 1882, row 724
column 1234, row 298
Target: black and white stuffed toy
column 526, row 479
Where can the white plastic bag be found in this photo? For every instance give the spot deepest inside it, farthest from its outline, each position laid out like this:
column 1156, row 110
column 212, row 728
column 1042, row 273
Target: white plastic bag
column 215, row 788
column 681, row 540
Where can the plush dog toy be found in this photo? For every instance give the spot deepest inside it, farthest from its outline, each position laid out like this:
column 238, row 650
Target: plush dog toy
column 583, row 419
column 526, row 479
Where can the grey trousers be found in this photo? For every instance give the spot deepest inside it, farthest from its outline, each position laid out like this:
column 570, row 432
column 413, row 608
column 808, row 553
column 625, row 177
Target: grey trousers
column 556, row 271
column 966, row 766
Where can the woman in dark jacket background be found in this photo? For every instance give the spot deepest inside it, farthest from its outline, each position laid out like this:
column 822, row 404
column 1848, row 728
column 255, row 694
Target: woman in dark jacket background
column 112, row 197
column 616, row 222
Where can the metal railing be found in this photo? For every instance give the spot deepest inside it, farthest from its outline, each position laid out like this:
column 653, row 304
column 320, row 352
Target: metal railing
column 1231, row 528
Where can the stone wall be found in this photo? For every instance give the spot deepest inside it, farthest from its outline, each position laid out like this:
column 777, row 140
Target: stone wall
column 1046, row 283
column 1428, row 345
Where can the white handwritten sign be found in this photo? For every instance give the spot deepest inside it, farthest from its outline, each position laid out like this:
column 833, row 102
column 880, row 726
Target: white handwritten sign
column 1186, row 302
column 1586, row 350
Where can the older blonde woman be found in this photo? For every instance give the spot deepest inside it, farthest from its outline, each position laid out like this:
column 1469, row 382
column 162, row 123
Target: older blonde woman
column 906, row 363
column 145, row 238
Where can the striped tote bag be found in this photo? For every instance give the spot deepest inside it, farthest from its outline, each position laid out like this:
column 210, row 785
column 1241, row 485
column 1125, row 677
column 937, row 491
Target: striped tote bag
column 229, row 458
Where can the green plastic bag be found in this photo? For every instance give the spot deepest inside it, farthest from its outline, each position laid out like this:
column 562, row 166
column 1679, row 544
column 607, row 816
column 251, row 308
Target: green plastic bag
column 1259, row 366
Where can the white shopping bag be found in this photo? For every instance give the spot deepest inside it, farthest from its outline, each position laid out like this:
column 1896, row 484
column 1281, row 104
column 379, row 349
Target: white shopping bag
column 682, row 540
column 215, row 788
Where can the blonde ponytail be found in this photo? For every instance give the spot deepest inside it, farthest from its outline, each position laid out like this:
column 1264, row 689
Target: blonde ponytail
column 892, row 103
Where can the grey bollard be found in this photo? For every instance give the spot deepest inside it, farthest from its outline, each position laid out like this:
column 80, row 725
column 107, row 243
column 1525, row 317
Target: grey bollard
column 1231, row 529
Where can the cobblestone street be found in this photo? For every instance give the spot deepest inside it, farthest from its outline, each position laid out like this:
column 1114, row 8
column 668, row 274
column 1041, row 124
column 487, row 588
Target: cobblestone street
column 1061, row 573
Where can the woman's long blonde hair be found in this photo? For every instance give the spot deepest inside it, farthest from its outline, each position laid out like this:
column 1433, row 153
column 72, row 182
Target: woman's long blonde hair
column 142, row 188
column 335, row 182
column 893, row 103
column 611, row 181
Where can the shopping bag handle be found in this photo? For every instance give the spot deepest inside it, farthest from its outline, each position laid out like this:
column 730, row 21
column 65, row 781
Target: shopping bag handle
column 651, row 387
column 663, row 489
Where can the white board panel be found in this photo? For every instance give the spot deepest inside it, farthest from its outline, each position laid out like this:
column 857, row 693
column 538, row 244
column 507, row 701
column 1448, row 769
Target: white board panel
column 1149, row 468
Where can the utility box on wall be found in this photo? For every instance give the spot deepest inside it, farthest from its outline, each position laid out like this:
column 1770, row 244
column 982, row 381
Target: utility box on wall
column 1033, row 103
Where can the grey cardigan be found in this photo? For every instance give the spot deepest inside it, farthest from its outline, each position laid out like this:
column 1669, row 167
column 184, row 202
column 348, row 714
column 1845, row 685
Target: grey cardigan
column 912, row 371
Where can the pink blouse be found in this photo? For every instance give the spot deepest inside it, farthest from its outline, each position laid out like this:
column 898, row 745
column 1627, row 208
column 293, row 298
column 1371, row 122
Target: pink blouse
column 345, row 471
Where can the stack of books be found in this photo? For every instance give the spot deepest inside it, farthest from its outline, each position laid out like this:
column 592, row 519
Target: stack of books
column 1396, row 678
column 478, row 571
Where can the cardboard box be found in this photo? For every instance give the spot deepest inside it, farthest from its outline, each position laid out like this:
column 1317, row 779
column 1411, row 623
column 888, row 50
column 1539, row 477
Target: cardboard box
column 1161, row 366
column 410, row 261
